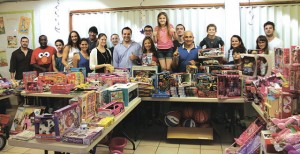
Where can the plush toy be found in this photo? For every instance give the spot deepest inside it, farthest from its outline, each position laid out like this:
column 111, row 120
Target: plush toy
column 293, row 149
column 283, row 123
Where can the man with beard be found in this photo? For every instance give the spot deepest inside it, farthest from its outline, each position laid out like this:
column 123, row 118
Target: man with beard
column 187, row 54
column 127, row 52
column 274, row 42
column 20, row 60
column 41, row 59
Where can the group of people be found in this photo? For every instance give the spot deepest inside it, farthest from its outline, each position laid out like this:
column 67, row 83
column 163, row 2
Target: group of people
column 171, row 48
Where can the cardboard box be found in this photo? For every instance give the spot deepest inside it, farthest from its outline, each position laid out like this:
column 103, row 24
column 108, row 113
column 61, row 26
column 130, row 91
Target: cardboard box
column 190, row 133
column 266, row 145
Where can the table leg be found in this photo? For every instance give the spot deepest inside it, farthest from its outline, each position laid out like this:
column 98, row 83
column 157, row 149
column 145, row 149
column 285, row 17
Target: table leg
column 46, row 152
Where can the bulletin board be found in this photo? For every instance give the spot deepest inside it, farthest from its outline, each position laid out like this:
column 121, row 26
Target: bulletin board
column 13, row 26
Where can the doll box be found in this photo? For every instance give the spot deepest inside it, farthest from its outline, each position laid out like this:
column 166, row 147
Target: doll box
column 143, row 71
column 87, row 102
column 264, row 65
column 249, row 63
column 285, row 105
column 229, row 86
column 24, row 118
column 44, row 127
column 79, row 136
column 33, row 87
column 66, row 119
column 130, row 92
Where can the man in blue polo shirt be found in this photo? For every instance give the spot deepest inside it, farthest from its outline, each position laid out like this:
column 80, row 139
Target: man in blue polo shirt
column 187, row 54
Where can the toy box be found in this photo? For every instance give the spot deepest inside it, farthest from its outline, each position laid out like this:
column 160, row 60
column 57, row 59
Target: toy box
column 29, row 76
column 255, row 51
column 279, row 58
column 229, row 86
column 33, row 87
column 182, row 79
column 79, row 69
column 83, row 137
column 249, row 65
column 294, row 78
column 207, row 85
column 162, row 85
column 61, row 88
column 24, row 118
column 114, row 94
column 267, row 143
column 210, row 52
column 66, row 119
column 146, row 59
column 87, row 102
column 111, row 109
column 44, row 127
column 285, row 109
column 143, row 71
column 263, row 66
column 295, row 55
column 51, row 78
column 130, row 92
column 75, row 78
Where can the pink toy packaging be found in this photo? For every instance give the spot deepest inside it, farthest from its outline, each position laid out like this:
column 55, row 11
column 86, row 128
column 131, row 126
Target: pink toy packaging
column 285, row 105
column 29, row 76
column 111, row 109
column 44, row 127
column 295, row 55
column 264, row 65
column 66, row 119
column 249, row 65
column 87, row 103
column 229, row 86
column 75, row 78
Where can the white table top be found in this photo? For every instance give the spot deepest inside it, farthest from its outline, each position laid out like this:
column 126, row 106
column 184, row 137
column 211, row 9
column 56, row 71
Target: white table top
column 49, row 94
column 4, row 97
column 70, row 147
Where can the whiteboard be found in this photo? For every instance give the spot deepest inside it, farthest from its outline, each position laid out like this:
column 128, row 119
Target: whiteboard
column 13, row 26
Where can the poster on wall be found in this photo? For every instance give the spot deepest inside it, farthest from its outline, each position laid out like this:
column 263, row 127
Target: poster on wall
column 24, row 25
column 2, row 26
column 12, row 42
column 3, row 60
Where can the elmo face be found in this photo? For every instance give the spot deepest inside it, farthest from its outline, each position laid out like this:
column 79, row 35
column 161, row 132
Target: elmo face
column 44, row 57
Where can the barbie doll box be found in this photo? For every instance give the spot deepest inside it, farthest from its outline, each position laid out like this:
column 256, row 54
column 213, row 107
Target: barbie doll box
column 87, row 102
column 66, row 119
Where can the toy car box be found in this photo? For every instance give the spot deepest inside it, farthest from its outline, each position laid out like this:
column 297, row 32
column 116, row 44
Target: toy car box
column 210, row 53
column 66, row 119
column 111, row 109
column 79, row 136
column 44, row 127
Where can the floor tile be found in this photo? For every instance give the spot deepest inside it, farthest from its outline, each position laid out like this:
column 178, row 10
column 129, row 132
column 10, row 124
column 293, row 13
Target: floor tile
column 150, row 142
column 211, row 147
column 142, row 149
column 204, row 151
column 130, row 146
column 166, row 150
column 169, row 143
column 7, row 147
column 102, row 150
column 194, row 144
column 188, row 151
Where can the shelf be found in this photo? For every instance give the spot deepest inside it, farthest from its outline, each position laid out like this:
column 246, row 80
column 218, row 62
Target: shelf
column 259, row 111
column 194, row 99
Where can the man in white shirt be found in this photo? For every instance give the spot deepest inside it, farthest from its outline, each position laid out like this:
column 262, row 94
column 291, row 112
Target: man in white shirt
column 274, row 42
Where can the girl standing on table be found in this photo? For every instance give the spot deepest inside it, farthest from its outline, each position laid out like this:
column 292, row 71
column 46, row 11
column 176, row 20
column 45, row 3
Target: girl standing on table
column 58, row 66
column 100, row 58
column 82, row 59
column 70, row 49
column 163, row 35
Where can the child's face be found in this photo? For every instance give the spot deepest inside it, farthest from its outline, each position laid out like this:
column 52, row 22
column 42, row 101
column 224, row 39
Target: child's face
column 147, row 45
column 162, row 20
column 211, row 31
column 261, row 44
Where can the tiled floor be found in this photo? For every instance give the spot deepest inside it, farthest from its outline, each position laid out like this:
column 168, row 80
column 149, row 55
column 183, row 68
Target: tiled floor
column 152, row 140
